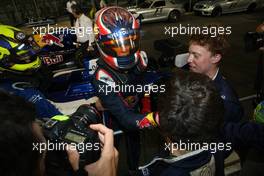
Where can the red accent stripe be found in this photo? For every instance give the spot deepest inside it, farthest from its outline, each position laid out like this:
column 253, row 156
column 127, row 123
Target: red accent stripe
column 101, row 27
column 135, row 24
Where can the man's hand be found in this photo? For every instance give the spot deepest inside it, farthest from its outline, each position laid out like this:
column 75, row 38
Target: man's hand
column 73, row 157
column 107, row 164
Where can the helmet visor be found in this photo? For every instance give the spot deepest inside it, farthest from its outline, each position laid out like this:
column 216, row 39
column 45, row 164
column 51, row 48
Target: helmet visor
column 28, row 44
column 120, row 44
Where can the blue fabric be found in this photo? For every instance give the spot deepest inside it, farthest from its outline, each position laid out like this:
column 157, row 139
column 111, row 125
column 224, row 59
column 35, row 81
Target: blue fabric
column 233, row 109
column 126, row 116
column 5, row 44
column 23, row 89
column 182, row 167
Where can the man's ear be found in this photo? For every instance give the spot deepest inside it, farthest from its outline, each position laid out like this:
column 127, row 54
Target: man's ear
column 216, row 58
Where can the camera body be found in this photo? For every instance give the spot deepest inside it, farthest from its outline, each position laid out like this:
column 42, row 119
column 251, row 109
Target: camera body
column 74, row 130
column 254, row 40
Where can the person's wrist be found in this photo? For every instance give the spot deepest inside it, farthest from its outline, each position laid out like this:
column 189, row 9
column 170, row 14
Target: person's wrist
column 108, row 157
column 75, row 167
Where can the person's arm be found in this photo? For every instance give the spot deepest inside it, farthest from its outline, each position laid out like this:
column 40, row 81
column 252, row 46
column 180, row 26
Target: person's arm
column 244, row 135
column 77, row 29
column 107, row 164
column 126, row 116
column 113, row 101
column 90, row 31
column 233, row 111
column 80, row 27
column 44, row 108
column 84, row 32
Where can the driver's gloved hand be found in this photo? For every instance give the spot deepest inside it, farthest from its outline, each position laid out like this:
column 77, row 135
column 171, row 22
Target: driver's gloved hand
column 150, row 120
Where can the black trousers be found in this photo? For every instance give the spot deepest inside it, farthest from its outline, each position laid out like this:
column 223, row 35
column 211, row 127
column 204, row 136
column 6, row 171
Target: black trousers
column 132, row 143
column 133, row 149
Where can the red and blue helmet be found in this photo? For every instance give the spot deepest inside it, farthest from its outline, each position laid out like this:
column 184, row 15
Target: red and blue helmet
column 118, row 37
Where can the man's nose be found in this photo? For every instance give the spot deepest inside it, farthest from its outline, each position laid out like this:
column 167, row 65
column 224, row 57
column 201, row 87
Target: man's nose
column 190, row 58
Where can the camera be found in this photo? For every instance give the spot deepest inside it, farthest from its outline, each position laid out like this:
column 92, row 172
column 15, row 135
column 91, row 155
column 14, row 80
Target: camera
column 254, row 40
column 74, row 130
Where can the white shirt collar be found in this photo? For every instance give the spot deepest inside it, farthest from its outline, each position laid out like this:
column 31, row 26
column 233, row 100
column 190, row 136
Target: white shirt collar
column 216, row 74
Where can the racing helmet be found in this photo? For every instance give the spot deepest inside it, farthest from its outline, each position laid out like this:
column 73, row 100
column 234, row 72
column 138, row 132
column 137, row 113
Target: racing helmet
column 17, row 51
column 117, row 37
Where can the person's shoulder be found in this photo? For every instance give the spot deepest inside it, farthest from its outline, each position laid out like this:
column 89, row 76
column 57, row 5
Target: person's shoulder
column 103, row 76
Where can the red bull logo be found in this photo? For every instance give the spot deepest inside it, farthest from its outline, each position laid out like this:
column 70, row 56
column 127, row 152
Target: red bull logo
column 52, row 39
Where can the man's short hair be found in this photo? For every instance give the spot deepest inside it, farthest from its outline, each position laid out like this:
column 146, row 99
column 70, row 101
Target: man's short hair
column 216, row 45
column 16, row 136
column 191, row 110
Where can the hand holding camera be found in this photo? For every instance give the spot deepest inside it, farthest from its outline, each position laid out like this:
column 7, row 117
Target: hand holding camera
column 107, row 164
column 75, row 131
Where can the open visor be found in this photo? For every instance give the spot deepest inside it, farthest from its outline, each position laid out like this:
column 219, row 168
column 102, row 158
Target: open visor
column 120, row 44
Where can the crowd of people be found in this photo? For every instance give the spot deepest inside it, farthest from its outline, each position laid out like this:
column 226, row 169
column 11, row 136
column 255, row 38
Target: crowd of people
column 199, row 107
